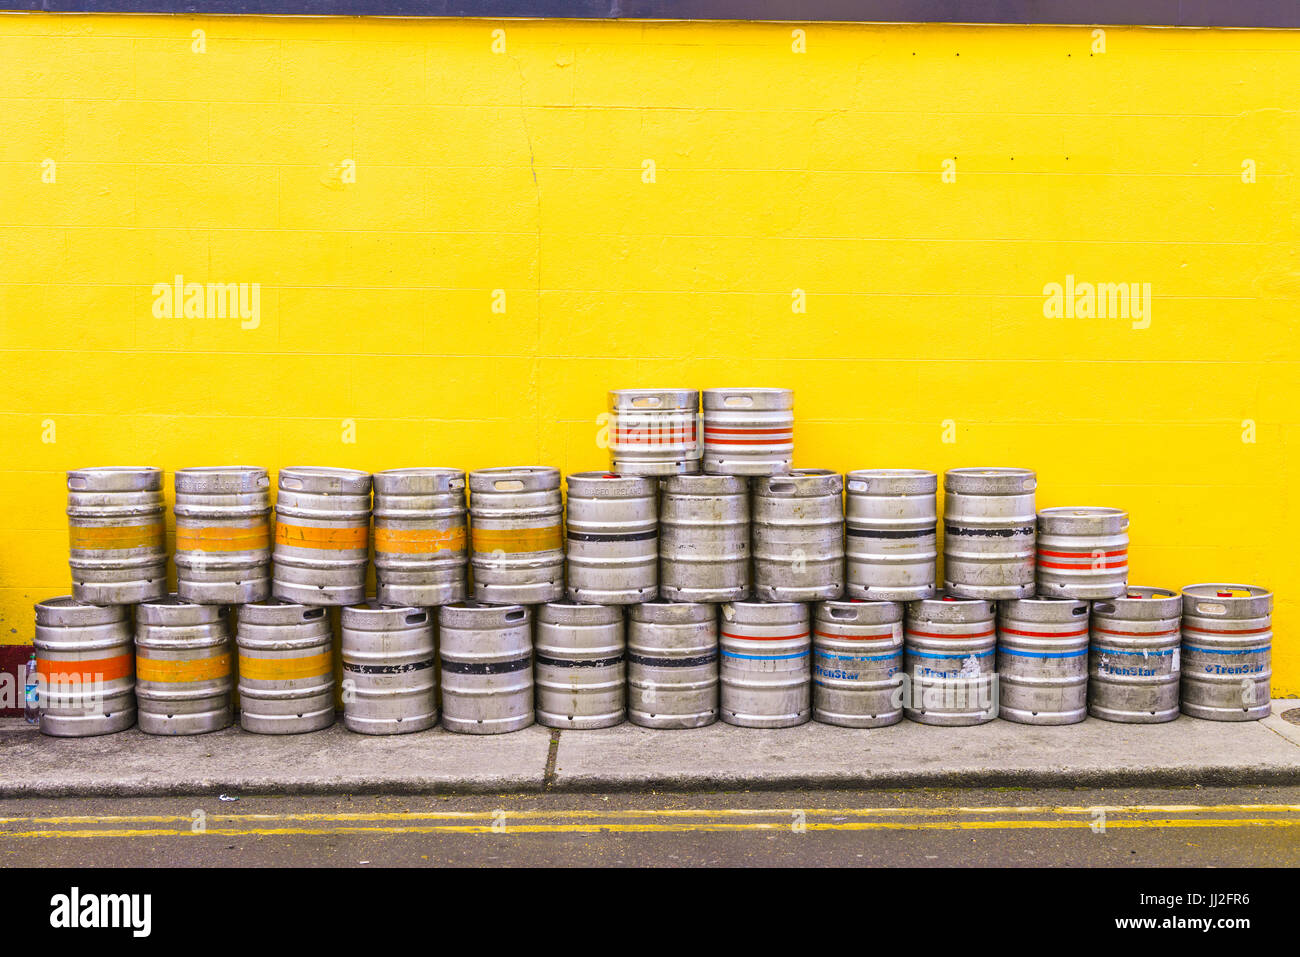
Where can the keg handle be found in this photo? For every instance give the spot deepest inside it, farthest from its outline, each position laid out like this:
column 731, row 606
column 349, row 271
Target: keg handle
column 456, row 483
column 857, row 486
column 311, row 613
column 647, row 401
column 780, row 486
column 1079, row 610
column 1104, row 607
column 263, row 481
column 1210, row 608
column 738, row 401
column 516, row 615
column 844, row 613
column 508, row 485
column 1030, row 484
column 418, row 618
column 291, row 482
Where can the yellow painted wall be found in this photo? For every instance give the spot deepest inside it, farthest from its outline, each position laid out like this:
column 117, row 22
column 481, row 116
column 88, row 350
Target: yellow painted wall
column 775, row 171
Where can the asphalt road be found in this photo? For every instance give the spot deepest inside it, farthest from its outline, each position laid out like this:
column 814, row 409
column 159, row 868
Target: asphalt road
column 1186, row 827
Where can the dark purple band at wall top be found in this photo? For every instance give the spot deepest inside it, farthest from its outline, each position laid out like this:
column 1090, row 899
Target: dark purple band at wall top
column 1177, row 13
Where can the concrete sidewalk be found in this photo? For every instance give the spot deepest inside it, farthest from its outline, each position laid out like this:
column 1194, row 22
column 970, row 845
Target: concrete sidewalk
column 627, row 758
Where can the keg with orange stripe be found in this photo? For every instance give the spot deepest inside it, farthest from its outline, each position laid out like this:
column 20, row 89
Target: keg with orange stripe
column 322, row 536
column 798, row 535
column 1043, row 660
column 989, row 527
column 1227, row 652
column 516, row 535
column 765, row 670
column 421, row 537
column 1082, row 552
column 654, row 431
column 857, row 669
column 223, row 535
column 286, row 667
column 85, row 668
column 1134, row 656
column 184, row 667
column 117, row 547
column 949, row 655
column 891, row 531
column 748, row 431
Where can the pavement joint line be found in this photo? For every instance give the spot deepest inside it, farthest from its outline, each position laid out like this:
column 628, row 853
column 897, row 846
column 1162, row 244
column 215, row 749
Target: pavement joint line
column 362, row 816
column 676, row 827
column 552, row 753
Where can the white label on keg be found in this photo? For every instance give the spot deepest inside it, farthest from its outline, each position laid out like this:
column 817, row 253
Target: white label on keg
column 1176, row 659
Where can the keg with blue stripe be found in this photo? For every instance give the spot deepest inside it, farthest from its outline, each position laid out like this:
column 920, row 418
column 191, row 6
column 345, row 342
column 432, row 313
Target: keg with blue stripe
column 486, row 652
column 1227, row 651
column 857, row 669
column 891, row 531
column 388, row 673
column 765, row 670
column 1043, row 660
column 989, row 528
column 580, row 670
column 1082, row 552
column 612, row 528
column 1134, row 656
column 949, row 656
column 672, row 664
column 798, row 535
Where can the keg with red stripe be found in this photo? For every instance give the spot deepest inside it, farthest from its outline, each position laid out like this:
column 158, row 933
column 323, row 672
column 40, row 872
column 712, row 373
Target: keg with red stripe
column 857, row 670
column 322, row 536
column 989, row 526
column 1082, row 552
column 765, row 670
column 949, row 656
column 421, row 537
column 1227, row 651
column 1043, row 660
column 117, row 549
column 223, row 535
column 654, row 431
column 748, row 431
column 184, row 667
column 85, row 668
column 1134, row 656
column 891, row 534
column 798, row 535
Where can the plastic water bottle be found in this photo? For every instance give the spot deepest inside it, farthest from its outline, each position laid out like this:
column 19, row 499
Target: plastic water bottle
column 31, row 696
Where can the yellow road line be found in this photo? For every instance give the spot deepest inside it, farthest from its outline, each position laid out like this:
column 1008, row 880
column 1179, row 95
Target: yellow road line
column 676, row 827
column 616, row 813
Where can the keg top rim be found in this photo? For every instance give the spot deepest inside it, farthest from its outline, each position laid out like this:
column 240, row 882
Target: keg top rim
column 218, row 469
column 373, row 605
column 891, row 473
column 1214, row 590
column 472, row 605
column 617, row 395
column 328, row 471
column 418, row 470
column 115, row 478
column 1153, row 592
column 749, row 603
column 1082, row 511
column 171, row 600
column 990, row 470
column 107, row 469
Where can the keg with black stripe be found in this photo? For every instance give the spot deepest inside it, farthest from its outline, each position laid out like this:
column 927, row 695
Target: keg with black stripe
column 798, row 535
column 1043, row 660
column 223, row 535
column 286, row 667
column 989, row 524
column 117, row 549
column 85, row 668
column 420, row 537
column 891, row 531
column 704, row 538
column 486, row 652
column 857, row 668
column 580, row 670
column 672, row 664
column 322, row 536
column 1227, row 651
column 388, row 673
column 517, row 544
column 1134, row 656
column 654, row 431
column 612, row 528
column 949, row 656
column 1082, row 552
column 183, row 667
column 748, row 431
column 765, row 671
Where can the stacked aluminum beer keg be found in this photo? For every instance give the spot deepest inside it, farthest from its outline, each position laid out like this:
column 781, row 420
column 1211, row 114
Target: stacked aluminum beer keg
column 702, row 577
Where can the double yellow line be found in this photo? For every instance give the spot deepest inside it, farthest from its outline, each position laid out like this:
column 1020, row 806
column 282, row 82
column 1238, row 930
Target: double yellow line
column 656, row 820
